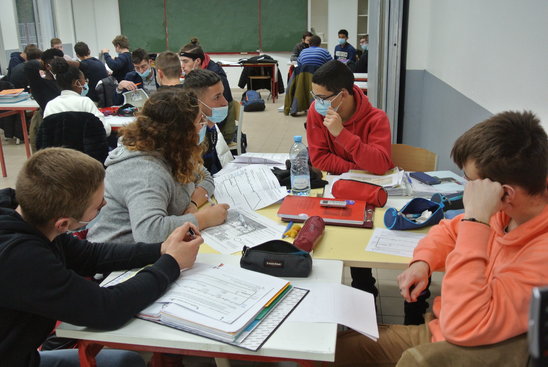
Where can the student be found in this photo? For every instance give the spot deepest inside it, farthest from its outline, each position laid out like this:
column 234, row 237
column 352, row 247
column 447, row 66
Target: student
column 305, row 43
column 93, row 69
column 58, row 44
column 17, row 74
column 155, row 179
column 169, row 70
column 493, row 254
column 120, row 65
column 43, row 268
column 344, row 51
column 143, row 76
column 314, row 55
column 209, row 88
column 192, row 57
column 73, row 94
column 344, row 130
column 17, row 58
column 43, row 89
column 361, row 66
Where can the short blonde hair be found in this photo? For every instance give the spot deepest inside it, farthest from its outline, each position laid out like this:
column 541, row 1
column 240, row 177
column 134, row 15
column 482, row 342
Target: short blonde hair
column 55, row 41
column 120, row 41
column 57, row 182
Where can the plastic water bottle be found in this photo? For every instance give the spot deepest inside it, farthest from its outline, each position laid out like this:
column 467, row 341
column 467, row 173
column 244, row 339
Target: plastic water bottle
column 300, row 174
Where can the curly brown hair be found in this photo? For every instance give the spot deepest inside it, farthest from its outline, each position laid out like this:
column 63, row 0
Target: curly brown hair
column 166, row 125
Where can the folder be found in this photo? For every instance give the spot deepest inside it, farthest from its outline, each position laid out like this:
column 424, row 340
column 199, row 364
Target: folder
column 298, row 208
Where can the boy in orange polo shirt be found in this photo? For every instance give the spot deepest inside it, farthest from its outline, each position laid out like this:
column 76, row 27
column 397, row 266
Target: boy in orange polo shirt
column 493, row 254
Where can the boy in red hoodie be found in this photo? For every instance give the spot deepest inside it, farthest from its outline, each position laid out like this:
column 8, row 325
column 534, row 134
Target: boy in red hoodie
column 344, row 131
column 493, row 254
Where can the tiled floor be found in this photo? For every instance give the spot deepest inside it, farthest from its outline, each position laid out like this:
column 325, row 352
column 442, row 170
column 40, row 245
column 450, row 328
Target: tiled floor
column 268, row 131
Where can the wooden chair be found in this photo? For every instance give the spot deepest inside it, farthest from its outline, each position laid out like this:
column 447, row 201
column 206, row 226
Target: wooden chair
column 412, row 158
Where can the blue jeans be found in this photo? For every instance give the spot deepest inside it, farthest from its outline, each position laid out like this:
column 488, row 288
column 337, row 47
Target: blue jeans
column 105, row 358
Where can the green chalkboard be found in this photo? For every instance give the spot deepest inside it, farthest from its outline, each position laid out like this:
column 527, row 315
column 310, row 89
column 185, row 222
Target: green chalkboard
column 143, row 23
column 220, row 25
column 283, row 23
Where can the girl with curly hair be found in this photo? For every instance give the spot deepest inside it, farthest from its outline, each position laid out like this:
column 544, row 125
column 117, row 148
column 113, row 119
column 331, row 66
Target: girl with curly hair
column 155, row 180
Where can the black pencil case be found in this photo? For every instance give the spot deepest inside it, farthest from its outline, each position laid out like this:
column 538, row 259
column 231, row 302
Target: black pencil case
column 278, row 258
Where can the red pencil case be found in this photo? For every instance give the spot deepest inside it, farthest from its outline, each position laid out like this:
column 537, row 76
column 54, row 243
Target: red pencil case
column 358, row 190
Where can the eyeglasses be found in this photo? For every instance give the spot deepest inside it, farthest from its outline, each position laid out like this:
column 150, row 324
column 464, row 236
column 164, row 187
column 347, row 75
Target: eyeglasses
column 321, row 100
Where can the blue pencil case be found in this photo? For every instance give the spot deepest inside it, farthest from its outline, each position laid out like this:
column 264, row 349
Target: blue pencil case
column 404, row 219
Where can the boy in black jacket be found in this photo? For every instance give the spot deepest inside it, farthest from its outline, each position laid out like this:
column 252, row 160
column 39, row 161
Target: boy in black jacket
column 43, row 268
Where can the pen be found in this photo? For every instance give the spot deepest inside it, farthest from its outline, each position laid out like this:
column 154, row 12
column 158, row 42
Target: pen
column 209, row 200
column 289, row 225
column 138, row 83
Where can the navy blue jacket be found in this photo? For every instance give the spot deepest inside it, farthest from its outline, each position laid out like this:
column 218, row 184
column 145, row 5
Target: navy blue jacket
column 94, row 70
column 42, row 281
column 15, row 59
column 132, row 76
column 120, row 65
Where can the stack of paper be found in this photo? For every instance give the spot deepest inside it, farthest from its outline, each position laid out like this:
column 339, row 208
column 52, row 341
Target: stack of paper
column 13, row 95
column 221, row 302
column 252, row 187
column 393, row 181
column 270, row 160
column 451, row 183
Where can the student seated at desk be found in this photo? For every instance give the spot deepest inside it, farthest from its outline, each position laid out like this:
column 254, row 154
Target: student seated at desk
column 344, row 130
column 58, row 44
column 73, row 94
column 314, row 55
column 493, row 254
column 143, row 77
column 192, row 57
column 16, row 74
column 155, row 180
column 209, row 89
column 120, row 65
column 43, row 89
column 93, row 69
column 43, row 268
column 168, row 69
column 305, row 43
column 344, row 51
column 17, row 58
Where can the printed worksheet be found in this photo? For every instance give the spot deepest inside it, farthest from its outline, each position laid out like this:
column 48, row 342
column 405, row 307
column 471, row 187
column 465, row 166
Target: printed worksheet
column 242, row 228
column 252, row 187
column 400, row 243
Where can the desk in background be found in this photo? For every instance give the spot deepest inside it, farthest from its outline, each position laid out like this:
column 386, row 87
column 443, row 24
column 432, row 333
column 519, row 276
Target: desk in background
column 20, row 108
column 273, row 76
column 301, row 342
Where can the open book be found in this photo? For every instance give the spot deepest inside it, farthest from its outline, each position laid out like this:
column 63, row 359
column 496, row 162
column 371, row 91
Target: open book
column 222, row 302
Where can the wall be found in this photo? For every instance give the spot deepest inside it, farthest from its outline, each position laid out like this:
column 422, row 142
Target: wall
column 8, row 32
column 318, row 18
column 468, row 60
column 341, row 14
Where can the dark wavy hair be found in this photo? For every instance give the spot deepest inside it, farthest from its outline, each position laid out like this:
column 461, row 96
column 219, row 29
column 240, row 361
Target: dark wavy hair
column 166, row 125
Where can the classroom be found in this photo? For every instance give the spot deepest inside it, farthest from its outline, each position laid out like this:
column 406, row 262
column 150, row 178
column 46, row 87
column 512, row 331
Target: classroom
column 436, row 72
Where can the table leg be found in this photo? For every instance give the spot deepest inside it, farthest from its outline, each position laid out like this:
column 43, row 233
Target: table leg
column 25, row 132
column 87, row 352
column 2, row 161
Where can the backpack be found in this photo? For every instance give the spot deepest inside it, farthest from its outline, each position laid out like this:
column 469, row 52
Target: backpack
column 252, row 101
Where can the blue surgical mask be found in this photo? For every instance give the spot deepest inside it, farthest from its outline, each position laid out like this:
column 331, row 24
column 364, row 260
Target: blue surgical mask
column 85, row 90
column 218, row 114
column 145, row 74
column 201, row 134
column 342, row 41
column 323, row 106
column 364, row 47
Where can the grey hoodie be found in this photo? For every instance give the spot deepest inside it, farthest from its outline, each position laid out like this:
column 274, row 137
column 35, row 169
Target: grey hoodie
column 144, row 201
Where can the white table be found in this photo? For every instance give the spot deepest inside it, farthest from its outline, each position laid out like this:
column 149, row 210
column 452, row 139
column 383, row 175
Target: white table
column 301, row 342
column 20, row 108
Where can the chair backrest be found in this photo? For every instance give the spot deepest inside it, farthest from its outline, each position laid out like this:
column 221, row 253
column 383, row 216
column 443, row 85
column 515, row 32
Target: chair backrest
column 412, row 158
column 239, row 124
column 81, row 131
